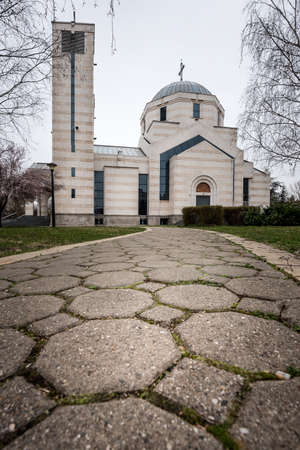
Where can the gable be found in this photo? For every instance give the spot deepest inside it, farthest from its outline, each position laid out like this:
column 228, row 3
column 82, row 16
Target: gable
column 177, row 150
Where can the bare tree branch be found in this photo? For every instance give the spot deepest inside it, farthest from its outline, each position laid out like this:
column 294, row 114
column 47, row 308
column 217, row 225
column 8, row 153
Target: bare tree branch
column 270, row 123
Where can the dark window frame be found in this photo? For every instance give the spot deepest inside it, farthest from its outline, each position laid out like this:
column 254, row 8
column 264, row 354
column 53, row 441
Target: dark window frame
column 73, row 172
column 73, row 193
column 163, row 113
column 99, row 192
column 143, row 194
column 196, row 110
column 246, row 184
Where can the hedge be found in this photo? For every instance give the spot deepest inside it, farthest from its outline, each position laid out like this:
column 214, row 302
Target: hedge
column 203, row 215
column 280, row 214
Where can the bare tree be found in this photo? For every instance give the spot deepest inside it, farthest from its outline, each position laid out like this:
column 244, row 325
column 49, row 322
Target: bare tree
column 26, row 50
column 295, row 191
column 16, row 184
column 270, row 124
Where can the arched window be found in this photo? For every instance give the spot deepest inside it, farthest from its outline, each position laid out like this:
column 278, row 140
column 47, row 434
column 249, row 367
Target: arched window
column 203, row 187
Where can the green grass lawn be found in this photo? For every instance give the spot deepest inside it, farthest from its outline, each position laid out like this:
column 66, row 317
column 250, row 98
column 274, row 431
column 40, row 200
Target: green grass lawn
column 285, row 238
column 21, row 240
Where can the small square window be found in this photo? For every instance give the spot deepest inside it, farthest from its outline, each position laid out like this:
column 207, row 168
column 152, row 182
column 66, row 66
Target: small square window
column 72, row 171
column 196, row 110
column 163, row 113
column 73, row 193
column 164, row 221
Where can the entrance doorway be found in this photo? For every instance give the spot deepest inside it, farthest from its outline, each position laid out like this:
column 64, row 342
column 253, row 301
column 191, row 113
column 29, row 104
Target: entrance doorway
column 203, row 194
column 202, row 200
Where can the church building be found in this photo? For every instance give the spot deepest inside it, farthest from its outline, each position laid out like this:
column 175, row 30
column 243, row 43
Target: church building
column 185, row 155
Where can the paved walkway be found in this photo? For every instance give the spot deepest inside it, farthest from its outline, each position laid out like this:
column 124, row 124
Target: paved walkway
column 172, row 339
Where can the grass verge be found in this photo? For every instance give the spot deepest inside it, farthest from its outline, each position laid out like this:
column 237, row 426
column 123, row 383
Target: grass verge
column 20, row 240
column 284, row 238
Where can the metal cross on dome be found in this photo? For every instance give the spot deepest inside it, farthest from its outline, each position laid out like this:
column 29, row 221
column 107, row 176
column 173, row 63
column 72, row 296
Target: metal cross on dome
column 180, row 74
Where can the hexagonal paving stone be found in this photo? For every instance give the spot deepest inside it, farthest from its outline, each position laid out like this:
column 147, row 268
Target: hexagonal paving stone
column 249, row 342
column 291, row 312
column 256, row 305
column 59, row 269
column 270, row 417
column 46, row 285
column 162, row 314
column 19, row 311
column 229, row 271
column 111, row 303
column 162, row 263
column 20, row 403
column 14, row 349
column 5, row 294
column 172, row 275
column 118, row 424
column 75, row 292
column 151, row 287
column 202, row 261
column 107, row 356
column 114, row 279
column 54, row 324
column 208, row 390
column 112, row 266
column 4, row 284
column 16, row 274
column 272, row 274
column 268, row 288
column 197, row 297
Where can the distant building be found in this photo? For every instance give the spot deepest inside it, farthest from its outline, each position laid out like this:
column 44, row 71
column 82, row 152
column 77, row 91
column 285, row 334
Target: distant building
column 186, row 156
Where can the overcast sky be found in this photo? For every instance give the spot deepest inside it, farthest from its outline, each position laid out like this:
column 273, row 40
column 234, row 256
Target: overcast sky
column 151, row 38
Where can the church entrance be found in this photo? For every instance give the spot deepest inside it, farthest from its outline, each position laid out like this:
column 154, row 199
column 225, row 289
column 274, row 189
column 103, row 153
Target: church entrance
column 202, row 200
column 203, row 194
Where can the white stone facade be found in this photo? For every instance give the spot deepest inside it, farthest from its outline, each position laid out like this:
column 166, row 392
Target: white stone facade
column 183, row 149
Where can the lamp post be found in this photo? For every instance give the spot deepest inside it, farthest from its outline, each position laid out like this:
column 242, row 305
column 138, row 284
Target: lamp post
column 52, row 166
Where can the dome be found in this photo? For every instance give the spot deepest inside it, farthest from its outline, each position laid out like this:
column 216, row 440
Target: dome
column 190, row 87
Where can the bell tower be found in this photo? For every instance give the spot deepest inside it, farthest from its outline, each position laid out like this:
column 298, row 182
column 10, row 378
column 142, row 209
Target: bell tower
column 73, row 121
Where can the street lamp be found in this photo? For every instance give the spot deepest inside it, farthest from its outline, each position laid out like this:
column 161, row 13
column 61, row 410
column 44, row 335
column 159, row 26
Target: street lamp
column 52, row 166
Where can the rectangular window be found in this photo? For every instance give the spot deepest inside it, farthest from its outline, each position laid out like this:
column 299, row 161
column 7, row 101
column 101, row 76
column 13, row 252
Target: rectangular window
column 163, row 113
column 72, row 171
column 246, row 191
column 73, row 193
column 196, row 110
column 143, row 194
column 72, row 42
column 99, row 192
column 219, row 118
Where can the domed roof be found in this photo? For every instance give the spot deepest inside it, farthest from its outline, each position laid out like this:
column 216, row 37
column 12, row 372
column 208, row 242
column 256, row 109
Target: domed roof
column 190, row 87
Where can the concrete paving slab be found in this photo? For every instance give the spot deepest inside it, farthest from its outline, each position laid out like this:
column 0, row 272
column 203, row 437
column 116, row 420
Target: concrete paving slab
column 173, row 275
column 257, row 305
column 45, row 285
column 246, row 341
column 14, row 349
column 107, row 356
column 162, row 314
column 74, row 292
column 59, row 269
column 111, row 303
column 291, row 312
column 206, row 389
column 4, row 285
column 54, row 324
column 151, row 287
column 20, row 311
column 229, row 271
column 20, row 403
column 111, row 266
column 124, row 424
column 197, row 297
column 270, row 417
column 114, row 279
column 268, row 288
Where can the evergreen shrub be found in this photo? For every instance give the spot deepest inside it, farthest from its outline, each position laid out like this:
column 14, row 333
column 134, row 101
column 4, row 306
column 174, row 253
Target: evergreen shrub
column 203, row 215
